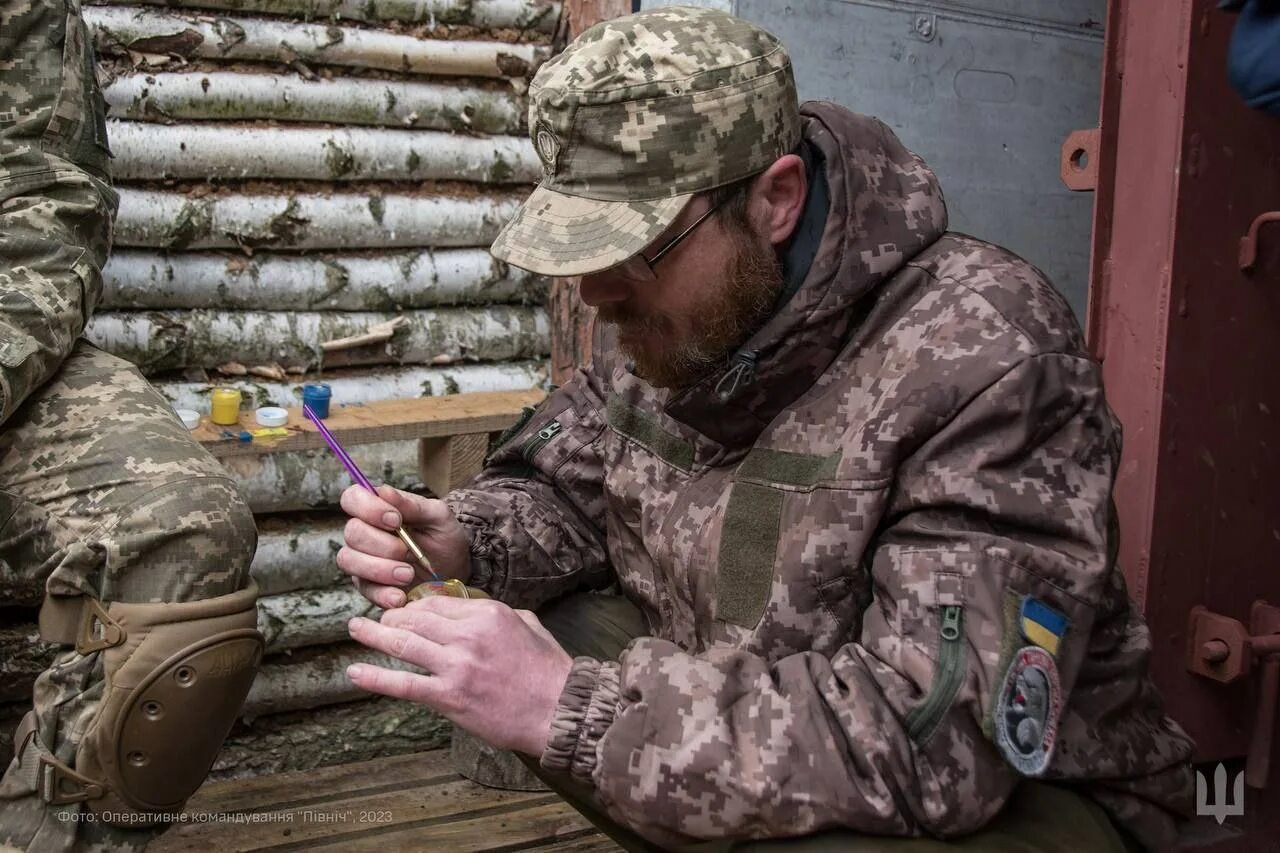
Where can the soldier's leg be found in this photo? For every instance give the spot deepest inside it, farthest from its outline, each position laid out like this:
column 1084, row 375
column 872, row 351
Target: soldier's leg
column 104, row 497
column 1040, row 818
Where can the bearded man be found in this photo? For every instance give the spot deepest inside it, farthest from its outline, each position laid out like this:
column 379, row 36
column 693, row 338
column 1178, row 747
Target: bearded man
column 849, row 474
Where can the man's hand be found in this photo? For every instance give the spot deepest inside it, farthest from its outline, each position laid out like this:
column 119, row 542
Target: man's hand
column 494, row 671
column 379, row 563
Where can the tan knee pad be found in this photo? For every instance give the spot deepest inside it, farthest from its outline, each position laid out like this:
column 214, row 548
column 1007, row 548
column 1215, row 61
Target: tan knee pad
column 175, row 681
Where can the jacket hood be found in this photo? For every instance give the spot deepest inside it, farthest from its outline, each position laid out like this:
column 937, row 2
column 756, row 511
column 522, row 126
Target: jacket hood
column 885, row 208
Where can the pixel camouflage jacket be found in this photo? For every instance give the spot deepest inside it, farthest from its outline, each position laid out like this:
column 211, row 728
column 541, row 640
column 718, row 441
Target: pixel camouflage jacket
column 879, row 576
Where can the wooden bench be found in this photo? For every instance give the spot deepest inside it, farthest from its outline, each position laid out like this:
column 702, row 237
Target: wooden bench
column 405, row 802
column 452, row 432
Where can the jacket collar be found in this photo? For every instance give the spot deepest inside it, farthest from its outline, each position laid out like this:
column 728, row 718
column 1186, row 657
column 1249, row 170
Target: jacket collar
column 885, row 206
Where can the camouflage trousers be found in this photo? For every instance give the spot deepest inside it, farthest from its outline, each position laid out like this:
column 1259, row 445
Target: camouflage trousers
column 1039, row 818
column 103, row 492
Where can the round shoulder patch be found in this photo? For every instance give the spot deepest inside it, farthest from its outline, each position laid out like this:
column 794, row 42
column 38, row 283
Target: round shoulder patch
column 1027, row 711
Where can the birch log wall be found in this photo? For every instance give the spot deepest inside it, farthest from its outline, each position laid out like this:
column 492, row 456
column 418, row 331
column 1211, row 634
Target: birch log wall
column 293, row 172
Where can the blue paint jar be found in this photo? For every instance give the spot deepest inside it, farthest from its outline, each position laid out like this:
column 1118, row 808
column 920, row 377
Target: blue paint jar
column 316, row 395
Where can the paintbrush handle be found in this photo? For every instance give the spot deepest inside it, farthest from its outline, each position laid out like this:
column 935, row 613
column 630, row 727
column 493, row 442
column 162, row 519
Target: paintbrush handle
column 354, row 470
column 338, row 450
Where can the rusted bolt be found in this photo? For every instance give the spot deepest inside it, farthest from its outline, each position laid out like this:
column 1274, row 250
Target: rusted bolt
column 1215, row 651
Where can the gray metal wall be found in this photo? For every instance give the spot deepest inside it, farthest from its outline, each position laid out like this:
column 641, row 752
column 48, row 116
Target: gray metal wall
column 984, row 90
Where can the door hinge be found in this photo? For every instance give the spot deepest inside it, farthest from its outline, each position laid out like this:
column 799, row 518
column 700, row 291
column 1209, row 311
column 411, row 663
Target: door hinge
column 1223, row 649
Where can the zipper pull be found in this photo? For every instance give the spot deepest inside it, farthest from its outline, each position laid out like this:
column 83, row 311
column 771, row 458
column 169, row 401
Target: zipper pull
column 951, row 622
column 741, row 371
column 540, row 439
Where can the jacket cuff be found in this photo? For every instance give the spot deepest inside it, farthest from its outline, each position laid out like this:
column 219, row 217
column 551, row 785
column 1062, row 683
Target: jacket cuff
column 585, row 711
column 484, row 559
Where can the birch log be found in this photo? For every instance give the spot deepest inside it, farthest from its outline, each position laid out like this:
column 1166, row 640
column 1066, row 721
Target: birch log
column 314, row 479
column 310, row 617
column 364, row 386
column 537, row 15
column 135, row 279
column 334, row 734
column 168, row 340
column 240, row 39
column 295, row 554
column 145, row 151
column 284, row 684
column 172, row 220
column 350, row 101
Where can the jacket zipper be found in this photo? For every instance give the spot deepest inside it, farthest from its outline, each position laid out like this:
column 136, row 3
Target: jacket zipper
column 924, row 719
column 539, row 440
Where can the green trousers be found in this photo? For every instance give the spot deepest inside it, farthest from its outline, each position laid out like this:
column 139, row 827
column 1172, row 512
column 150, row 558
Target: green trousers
column 1039, row 818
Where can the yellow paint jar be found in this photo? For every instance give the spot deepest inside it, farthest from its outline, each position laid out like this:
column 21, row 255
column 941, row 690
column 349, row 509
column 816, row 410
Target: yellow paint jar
column 225, row 406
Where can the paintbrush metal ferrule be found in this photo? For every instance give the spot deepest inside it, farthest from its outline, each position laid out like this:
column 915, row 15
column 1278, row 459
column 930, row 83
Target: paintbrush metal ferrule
column 416, row 551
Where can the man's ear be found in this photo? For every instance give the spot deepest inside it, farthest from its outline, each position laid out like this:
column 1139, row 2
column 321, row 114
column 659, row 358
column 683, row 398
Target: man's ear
column 777, row 198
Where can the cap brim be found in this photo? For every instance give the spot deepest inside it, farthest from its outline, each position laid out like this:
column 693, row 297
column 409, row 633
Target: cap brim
column 557, row 234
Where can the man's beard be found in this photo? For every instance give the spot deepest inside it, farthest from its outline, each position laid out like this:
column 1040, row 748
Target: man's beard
column 719, row 322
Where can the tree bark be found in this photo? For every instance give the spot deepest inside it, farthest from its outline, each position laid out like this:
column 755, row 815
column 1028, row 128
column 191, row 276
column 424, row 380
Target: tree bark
column 298, row 682
column 572, row 321
column 334, row 734
column 237, row 39
column 172, row 340
column 134, row 279
column 310, row 617
column 297, row 554
column 215, row 152
column 174, row 220
column 537, row 15
column 580, row 15
column 315, row 479
column 231, row 96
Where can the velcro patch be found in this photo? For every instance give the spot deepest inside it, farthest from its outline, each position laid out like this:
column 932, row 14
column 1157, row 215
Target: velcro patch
column 1027, row 713
column 1042, row 624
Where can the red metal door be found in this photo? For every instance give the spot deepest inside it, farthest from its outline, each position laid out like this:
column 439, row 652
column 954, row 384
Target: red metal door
column 1190, row 344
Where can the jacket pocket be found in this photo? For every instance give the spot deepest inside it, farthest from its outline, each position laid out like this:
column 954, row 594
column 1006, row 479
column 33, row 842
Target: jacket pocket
column 951, row 662
column 550, row 441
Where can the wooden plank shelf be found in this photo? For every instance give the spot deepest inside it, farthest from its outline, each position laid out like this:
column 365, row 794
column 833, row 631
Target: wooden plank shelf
column 388, row 420
column 404, row 802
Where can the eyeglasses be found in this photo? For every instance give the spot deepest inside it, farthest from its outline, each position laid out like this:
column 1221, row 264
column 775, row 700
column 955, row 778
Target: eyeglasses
column 639, row 268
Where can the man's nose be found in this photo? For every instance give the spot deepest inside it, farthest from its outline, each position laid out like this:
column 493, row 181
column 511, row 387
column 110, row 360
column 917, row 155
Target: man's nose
column 600, row 288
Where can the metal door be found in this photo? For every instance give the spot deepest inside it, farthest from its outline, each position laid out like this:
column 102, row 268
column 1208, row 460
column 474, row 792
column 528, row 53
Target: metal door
column 1190, row 344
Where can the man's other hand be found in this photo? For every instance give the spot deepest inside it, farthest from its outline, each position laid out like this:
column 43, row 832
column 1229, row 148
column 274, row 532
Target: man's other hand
column 379, row 563
column 494, row 671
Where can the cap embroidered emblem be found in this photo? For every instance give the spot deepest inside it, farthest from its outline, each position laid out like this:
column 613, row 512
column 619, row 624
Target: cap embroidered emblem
column 548, row 148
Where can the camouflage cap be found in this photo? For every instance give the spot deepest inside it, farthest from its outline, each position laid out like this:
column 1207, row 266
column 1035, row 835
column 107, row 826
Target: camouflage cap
column 633, row 118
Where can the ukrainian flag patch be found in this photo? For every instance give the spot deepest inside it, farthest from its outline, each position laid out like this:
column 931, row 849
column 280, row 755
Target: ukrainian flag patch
column 1042, row 624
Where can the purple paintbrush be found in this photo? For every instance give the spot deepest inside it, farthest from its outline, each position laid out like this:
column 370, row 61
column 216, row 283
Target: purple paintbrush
column 359, row 477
